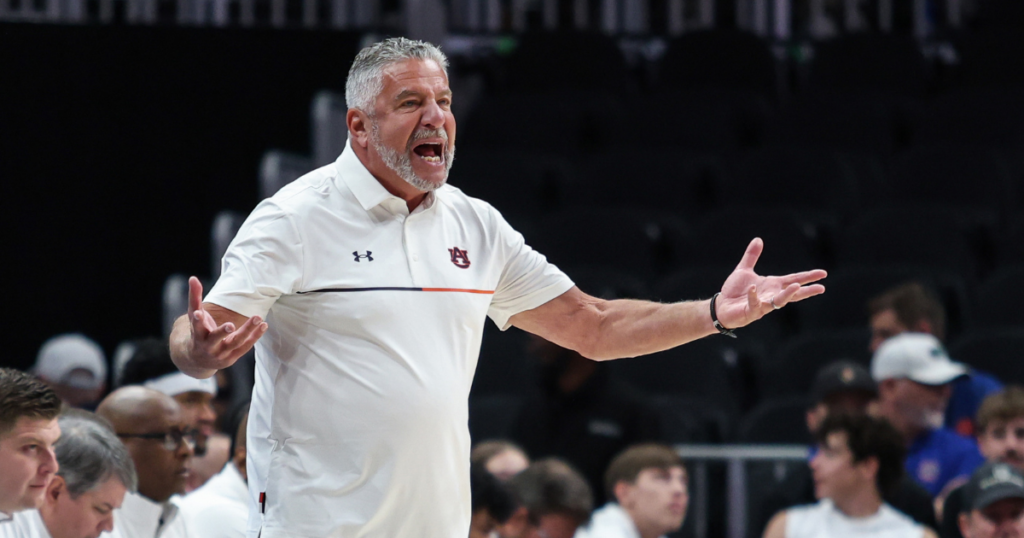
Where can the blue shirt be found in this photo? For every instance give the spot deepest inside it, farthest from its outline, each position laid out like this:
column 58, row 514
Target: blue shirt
column 968, row 393
column 940, row 456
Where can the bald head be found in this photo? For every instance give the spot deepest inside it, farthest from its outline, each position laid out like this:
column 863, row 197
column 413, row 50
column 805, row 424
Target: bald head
column 130, row 407
column 152, row 427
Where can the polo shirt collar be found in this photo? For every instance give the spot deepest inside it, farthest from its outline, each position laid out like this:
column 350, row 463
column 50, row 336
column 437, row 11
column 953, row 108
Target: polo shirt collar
column 367, row 190
column 145, row 517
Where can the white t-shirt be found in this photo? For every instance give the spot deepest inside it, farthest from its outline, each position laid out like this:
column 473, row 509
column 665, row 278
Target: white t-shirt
column 610, row 521
column 219, row 509
column 139, row 517
column 824, row 520
column 359, row 417
column 23, row 524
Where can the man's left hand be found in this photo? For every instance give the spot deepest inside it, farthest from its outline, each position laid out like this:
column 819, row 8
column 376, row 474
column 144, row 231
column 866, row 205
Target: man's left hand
column 746, row 296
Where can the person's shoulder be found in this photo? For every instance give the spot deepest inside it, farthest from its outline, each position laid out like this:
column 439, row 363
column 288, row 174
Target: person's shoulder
column 949, row 440
column 308, row 188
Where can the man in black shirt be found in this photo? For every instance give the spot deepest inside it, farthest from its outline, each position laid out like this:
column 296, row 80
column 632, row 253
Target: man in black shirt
column 845, row 387
column 1000, row 424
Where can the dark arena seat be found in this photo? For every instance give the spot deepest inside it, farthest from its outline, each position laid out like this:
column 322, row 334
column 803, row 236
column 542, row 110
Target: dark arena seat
column 512, row 184
column 998, row 300
column 776, row 421
column 546, row 61
column 812, row 182
column 674, row 181
column 791, row 370
column 886, row 64
column 996, row 351
column 703, row 119
column 702, row 369
column 925, row 236
column 719, row 58
column 844, row 304
column 968, row 178
column 636, row 241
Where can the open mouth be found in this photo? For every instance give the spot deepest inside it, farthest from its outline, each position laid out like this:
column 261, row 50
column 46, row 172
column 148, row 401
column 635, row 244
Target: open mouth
column 431, row 152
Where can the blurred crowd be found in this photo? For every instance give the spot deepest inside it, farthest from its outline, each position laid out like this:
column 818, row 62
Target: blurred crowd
column 914, row 444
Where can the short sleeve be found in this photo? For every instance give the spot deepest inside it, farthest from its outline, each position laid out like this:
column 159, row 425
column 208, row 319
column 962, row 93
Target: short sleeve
column 261, row 264
column 527, row 280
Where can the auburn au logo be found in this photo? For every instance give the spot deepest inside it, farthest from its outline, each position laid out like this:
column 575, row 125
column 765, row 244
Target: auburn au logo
column 459, row 257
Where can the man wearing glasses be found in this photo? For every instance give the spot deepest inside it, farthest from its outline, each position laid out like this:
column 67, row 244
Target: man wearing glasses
column 152, row 427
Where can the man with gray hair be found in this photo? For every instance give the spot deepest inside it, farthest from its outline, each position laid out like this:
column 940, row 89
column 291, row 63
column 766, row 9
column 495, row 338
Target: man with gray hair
column 375, row 279
column 95, row 473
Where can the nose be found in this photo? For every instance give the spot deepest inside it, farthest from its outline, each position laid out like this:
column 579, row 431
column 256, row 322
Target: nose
column 207, row 413
column 48, row 465
column 107, row 524
column 433, row 116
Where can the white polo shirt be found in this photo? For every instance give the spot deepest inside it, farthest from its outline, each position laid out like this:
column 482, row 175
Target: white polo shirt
column 220, row 508
column 24, row 524
column 358, row 425
column 824, row 520
column 139, row 517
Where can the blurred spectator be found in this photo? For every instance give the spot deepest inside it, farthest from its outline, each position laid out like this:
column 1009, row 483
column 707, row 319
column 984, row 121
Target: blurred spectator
column 28, row 430
column 95, row 472
column 912, row 307
column 844, row 387
column 994, row 503
column 153, row 429
column 493, row 503
column 221, row 507
column 502, row 459
column 648, row 485
column 914, row 373
column 858, row 458
column 75, row 368
column 554, row 501
column 581, row 414
column 1000, row 439
column 151, row 367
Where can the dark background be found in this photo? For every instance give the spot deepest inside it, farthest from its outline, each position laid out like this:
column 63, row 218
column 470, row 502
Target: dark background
column 118, row 145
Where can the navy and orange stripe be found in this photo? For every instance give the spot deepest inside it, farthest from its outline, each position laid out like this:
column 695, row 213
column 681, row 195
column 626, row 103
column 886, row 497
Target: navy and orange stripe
column 391, row 288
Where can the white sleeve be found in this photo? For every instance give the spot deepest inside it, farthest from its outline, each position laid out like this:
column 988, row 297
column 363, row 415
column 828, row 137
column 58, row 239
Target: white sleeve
column 527, row 280
column 262, row 263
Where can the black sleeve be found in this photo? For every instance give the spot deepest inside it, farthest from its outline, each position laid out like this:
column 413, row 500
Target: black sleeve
column 915, row 501
column 951, row 513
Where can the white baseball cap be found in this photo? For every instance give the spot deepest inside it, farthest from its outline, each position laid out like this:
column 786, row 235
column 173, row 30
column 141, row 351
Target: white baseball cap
column 916, row 356
column 62, row 355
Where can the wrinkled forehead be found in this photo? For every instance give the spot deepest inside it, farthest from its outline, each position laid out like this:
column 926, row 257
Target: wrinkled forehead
column 413, row 76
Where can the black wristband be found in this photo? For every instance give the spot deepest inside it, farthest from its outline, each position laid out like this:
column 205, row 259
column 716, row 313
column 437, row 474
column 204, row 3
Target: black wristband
column 718, row 324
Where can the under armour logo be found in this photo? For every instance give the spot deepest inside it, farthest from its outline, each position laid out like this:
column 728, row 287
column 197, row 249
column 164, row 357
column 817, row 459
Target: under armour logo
column 459, row 257
column 368, row 255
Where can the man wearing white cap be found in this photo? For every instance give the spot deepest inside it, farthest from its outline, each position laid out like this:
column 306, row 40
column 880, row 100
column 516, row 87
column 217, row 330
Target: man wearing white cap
column 75, row 368
column 914, row 372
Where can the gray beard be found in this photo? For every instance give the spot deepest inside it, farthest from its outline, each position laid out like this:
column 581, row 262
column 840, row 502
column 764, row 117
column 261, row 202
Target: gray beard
column 401, row 163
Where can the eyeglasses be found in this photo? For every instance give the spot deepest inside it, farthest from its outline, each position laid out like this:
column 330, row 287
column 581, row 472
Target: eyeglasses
column 171, row 439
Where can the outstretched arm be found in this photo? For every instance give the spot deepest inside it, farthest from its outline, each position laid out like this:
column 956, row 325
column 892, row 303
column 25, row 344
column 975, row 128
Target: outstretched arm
column 210, row 337
column 603, row 330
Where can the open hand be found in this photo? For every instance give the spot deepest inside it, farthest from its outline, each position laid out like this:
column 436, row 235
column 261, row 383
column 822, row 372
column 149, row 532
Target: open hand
column 213, row 346
column 747, row 296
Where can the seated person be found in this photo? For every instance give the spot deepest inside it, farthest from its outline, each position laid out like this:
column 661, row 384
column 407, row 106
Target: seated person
column 914, row 374
column 493, row 504
column 95, row 473
column 554, row 501
column 844, row 386
column 858, row 458
column 994, row 503
column 912, row 307
column 1000, row 424
column 221, row 506
column 28, row 430
column 648, row 483
column 159, row 440
column 75, row 368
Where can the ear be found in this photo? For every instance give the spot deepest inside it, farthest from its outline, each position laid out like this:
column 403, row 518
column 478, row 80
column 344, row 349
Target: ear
column 964, row 524
column 56, row 488
column 622, row 493
column 359, row 127
column 869, row 468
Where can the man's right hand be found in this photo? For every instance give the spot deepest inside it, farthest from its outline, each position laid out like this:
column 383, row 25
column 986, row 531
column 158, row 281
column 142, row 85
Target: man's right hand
column 210, row 337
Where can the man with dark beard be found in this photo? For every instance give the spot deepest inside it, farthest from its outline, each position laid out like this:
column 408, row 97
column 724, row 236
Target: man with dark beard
column 375, row 279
